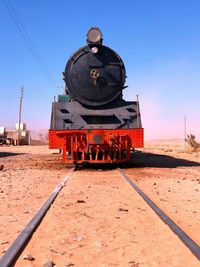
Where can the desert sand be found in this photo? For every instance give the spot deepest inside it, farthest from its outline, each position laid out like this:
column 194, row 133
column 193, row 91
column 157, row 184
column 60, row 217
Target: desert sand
column 98, row 219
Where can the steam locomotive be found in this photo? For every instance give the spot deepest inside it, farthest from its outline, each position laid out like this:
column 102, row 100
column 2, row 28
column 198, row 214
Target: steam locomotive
column 91, row 122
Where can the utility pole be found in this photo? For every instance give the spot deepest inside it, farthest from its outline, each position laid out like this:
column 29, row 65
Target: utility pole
column 185, row 130
column 20, row 114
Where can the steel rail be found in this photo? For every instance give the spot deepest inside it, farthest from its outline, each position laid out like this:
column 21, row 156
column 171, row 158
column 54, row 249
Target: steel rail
column 191, row 244
column 14, row 251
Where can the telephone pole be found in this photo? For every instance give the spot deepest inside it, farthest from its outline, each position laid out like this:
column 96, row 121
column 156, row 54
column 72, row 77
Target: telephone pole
column 185, row 130
column 20, row 114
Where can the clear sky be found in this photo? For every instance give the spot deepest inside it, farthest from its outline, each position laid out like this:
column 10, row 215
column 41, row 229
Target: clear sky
column 159, row 42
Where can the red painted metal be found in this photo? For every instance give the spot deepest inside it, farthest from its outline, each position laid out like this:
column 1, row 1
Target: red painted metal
column 96, row 145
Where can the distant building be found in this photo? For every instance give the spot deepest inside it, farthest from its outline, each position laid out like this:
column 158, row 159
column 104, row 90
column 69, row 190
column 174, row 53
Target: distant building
column 18, row 136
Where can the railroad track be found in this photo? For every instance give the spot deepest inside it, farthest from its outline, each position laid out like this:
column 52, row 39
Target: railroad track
column 21, row 241
column 193, row 246
column 12, row 254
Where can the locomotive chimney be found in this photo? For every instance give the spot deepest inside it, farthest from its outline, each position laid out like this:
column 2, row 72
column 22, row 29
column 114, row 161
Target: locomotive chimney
column 94, row 36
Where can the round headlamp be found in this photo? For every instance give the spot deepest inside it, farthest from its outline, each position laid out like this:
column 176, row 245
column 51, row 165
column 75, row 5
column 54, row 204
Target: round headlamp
column 94, row 49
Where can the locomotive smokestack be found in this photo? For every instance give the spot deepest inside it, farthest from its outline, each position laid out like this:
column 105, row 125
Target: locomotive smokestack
column 94, row 36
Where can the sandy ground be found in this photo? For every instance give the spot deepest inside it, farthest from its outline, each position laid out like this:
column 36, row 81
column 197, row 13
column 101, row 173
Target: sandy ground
column 98, row 220
column 28, row 177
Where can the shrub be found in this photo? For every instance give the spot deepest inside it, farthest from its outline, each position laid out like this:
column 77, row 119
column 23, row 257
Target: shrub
column 194, row 145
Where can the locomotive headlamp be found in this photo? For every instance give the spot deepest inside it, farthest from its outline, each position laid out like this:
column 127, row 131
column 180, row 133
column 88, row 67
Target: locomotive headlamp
column 94, row 49
column 94, row 36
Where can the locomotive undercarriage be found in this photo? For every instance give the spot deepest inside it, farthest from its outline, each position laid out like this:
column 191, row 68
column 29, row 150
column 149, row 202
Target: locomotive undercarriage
column 96, row 145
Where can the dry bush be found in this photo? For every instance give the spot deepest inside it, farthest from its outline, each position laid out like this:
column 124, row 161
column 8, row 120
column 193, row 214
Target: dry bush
column 43, row 137
column 193, row 144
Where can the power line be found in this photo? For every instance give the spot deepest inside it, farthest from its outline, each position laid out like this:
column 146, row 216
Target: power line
column 29, row 43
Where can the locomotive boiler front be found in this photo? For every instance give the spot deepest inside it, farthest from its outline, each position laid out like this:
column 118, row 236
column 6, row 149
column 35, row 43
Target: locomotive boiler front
column 95, row 74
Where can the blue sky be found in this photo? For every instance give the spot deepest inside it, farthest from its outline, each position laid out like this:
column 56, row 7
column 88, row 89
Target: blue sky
column 159, row 42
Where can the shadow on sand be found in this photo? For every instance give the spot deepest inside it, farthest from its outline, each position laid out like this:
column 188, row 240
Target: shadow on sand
column 9, row 154
column 143, row 159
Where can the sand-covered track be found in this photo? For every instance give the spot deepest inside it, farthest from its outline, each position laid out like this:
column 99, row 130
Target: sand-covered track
column 99, row 220
column 184, row 237
column 12, row 254
column 28, row 177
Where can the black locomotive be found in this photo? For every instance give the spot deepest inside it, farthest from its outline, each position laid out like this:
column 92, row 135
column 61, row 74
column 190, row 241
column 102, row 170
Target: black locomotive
column 95, row 76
